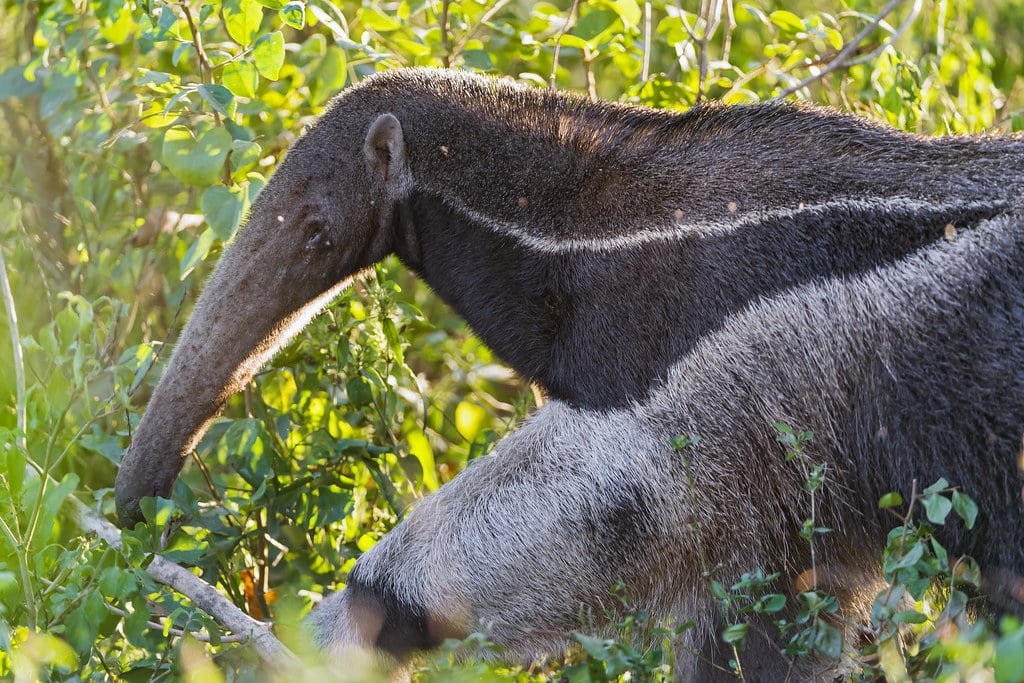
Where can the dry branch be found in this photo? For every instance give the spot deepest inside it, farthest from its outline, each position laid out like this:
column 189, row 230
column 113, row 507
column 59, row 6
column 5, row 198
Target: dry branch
column 842, row 58
column 204, row 596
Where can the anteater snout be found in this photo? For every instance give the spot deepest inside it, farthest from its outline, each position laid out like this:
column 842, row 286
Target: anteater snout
column 370, row 616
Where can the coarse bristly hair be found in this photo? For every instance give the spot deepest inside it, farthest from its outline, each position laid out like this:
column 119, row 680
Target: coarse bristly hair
column 655, row 273
column 911, row 371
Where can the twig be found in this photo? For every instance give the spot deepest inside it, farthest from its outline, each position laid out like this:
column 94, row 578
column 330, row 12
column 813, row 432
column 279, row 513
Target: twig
column 840, row 58
column 588, row 71
column 460, row 44
column 707, row 8
column 914, row 11
column 730, row 15
column 197, row 40
column 645, row 71
column 558, row 41
column 21, row 412
column 446, row 58
column 14, row 535
column 174, row 631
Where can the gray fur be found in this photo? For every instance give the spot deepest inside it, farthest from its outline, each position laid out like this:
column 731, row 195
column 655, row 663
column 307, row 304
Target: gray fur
column 913, row 371
column 655, row 273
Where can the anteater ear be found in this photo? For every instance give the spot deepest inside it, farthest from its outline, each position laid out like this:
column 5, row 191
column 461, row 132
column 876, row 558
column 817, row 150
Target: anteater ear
column 384, row 150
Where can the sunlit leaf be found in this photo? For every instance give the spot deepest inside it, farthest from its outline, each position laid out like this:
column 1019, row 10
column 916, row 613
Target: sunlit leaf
column 242, row 19
column 268, row 53
column 294, row 14
column 196, row 160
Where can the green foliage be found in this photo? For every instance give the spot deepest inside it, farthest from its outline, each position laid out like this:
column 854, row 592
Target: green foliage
column 136, row 136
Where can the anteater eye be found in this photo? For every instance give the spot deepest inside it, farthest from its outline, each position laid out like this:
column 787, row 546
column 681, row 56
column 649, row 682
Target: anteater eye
column 317, row 235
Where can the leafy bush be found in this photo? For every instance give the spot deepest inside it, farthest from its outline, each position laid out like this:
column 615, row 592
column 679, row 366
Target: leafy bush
column 136, row 135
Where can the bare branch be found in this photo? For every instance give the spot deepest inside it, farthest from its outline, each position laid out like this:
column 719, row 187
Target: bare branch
column 204, row 596
column 841, row 58
column 493, row 10
column 646, row 70
column 20, row 411
column 588, row 71
column 446, row 58
column 569, row 20
column 914, row 11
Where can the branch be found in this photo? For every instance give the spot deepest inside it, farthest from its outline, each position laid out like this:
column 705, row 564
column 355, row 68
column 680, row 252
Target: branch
column 914, row 11
column 460, row 44
column 840, row 60
column 19, row 360
column 645, row 70
column 558, row 41
column 446, row 59
column 203, row 595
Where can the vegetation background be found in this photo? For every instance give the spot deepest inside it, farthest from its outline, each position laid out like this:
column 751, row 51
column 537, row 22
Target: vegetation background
column 134, row 136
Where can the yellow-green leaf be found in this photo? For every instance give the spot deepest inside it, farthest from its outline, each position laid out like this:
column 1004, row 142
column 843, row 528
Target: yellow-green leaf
column 787, row 21
column 294, row 14
column 469, row 419
column 242, row 18
column 119, row 31
column 278, row 390
column 419, row 446
column 268, row 53
column 240, row 78
column 377, row 21
column 329, row 75
column 628, row 11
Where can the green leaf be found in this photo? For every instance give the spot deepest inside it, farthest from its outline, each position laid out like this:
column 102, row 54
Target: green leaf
column 359, row 392
column 219, row 97
column 196, row 161
column 469, row 419
column 223, row 209
column 628, row 11
column 909, row 616
column 593, row 23
column 478, row 59
column 241, row 78
column 14, row 84
column 53, row 499
column 394, row 341
column 242, row 19
column 1008, row 665
column 268, row 54
column 787, row 21
column 910, row 558
column 329, row 75
column 966, row 508
column 244, row 156
column 773, row 603
column 278, row 390
column 828, row 640
column 595, row 647
column 118, row 31
column 376, row 20
column 890, row 500
column 936, row 507
column 938, row 486
column 735, row 633
column 197, row 253
column 294, row 14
